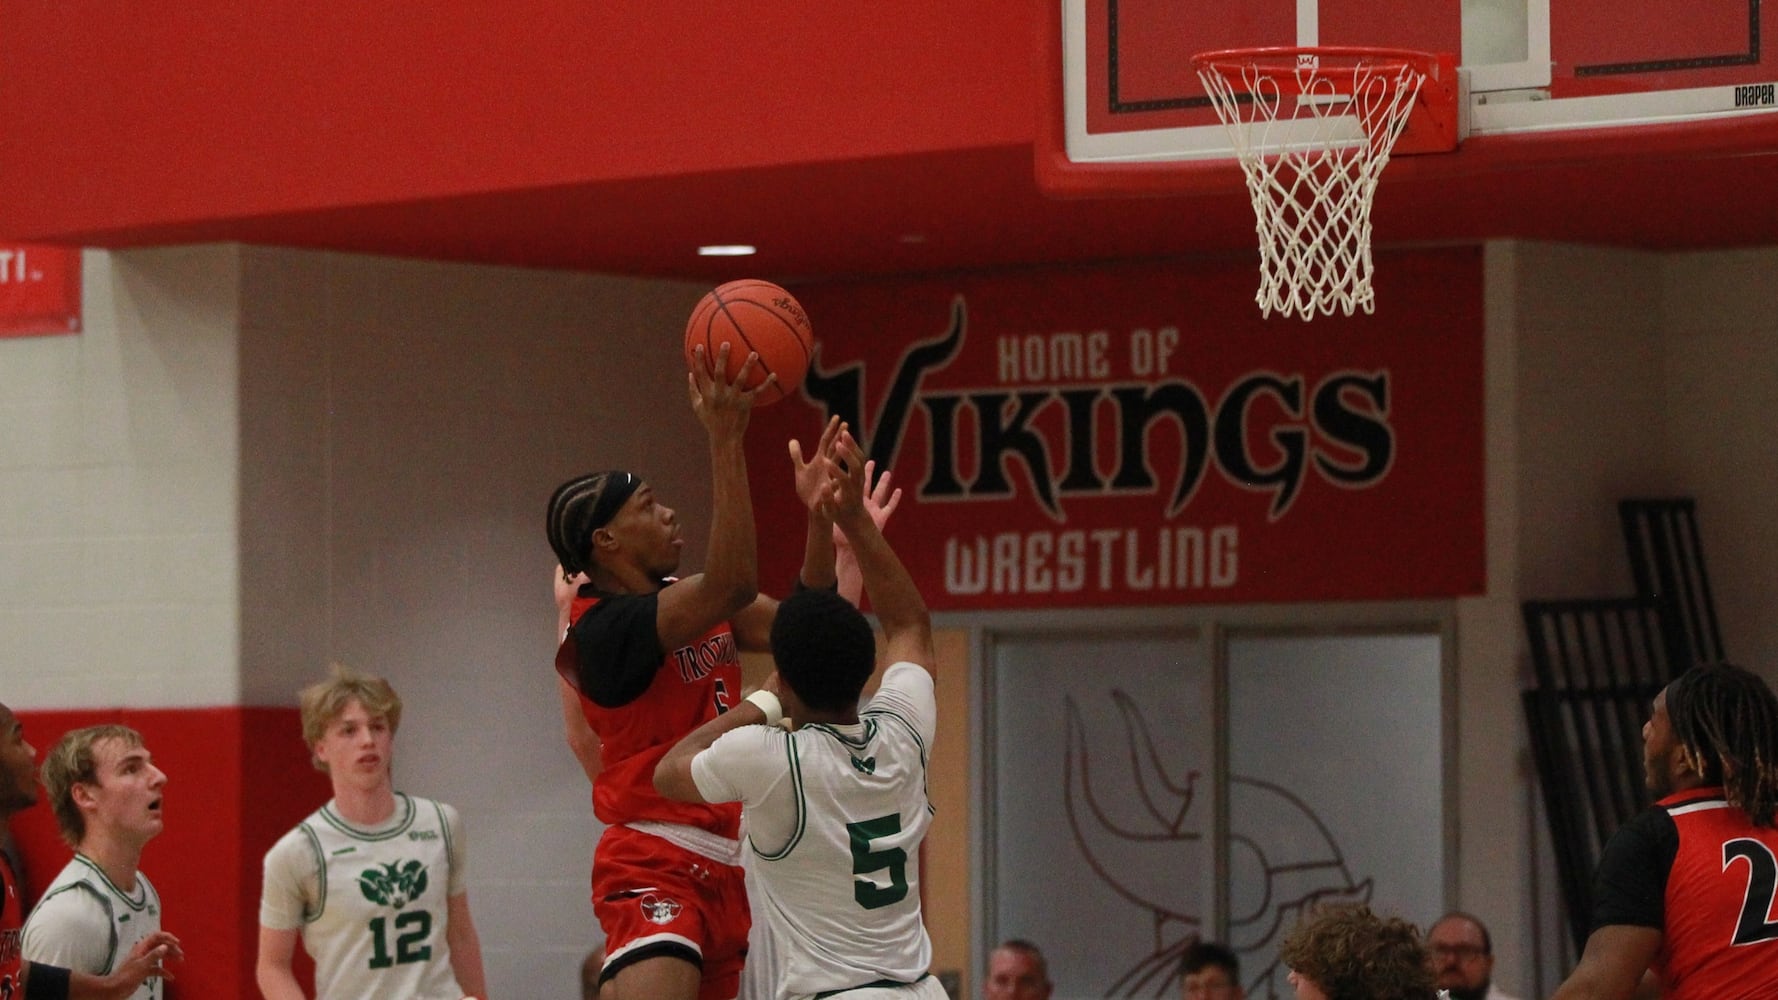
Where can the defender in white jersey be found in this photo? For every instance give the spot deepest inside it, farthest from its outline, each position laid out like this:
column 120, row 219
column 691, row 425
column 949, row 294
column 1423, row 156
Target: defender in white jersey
column 373, row 881
column 106, row 793
column 370, row 902
column 836, row 809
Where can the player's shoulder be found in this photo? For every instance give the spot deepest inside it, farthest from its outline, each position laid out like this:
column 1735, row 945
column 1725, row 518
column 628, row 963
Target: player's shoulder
column 299, row 843
column 908, row 674
column 78, row 874
column 610, row 612
column 1653, row 823
column 1647, row 843
column 907, row 692
column 73, row 904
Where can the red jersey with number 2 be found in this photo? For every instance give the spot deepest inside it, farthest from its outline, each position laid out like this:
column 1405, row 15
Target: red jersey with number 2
column 1721, row 935
column 693, row 685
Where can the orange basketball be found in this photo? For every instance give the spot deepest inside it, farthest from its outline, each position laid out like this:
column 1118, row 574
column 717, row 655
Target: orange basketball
column 757, row 316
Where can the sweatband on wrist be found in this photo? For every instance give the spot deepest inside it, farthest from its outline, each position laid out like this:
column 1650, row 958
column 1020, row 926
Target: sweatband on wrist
column 47, row 982
column 769, row 704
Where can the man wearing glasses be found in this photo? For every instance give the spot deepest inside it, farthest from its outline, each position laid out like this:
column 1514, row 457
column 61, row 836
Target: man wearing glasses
column 1463, row 958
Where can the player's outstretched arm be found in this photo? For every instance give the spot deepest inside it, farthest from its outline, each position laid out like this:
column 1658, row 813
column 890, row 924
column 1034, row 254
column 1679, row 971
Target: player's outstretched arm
column 881, row 501
column 730, row 580
column 1612, row 965
column 811, row 487
column 907, row 626
column 753, row 625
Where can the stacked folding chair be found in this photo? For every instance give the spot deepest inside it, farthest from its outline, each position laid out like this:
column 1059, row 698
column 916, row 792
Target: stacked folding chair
column 1598, row 665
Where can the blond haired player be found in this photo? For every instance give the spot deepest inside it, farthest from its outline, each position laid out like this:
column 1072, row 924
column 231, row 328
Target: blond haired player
column 106, row 793
column 373, row 881
column 38, row 979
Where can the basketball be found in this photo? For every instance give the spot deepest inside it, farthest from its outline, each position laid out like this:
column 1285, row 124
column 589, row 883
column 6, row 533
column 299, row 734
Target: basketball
column 756, row 316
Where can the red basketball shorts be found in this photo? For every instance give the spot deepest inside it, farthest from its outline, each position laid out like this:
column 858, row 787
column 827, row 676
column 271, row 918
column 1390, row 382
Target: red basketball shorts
column 657, row 899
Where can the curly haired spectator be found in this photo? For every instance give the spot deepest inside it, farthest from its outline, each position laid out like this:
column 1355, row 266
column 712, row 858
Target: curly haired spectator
column 1350, row 953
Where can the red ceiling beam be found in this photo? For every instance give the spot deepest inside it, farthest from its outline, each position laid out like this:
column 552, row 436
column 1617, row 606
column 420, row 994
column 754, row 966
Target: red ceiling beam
column 118, row 116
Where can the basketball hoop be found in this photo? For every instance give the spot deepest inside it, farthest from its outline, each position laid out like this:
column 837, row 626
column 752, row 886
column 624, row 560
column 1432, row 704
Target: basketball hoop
column 1313, row 129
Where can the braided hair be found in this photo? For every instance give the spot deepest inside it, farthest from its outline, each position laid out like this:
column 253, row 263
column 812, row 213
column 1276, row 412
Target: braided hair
column 1726, row 721
column 578, row 508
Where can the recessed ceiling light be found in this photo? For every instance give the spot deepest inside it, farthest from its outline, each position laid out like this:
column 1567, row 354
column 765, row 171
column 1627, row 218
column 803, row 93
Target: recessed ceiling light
column 727, row 250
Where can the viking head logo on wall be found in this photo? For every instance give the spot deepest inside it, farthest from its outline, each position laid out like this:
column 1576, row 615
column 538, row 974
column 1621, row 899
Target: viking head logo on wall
column 394, row 884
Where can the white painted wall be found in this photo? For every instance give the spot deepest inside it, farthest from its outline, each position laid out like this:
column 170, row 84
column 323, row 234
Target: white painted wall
column 1720, row 372
column 118, row 491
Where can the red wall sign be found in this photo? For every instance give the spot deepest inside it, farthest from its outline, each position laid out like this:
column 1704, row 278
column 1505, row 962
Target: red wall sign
column 1137, row 434
column 39, row 290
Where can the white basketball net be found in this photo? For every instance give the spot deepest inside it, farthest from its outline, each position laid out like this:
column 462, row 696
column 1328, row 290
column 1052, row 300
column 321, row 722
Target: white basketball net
column 1313, row 133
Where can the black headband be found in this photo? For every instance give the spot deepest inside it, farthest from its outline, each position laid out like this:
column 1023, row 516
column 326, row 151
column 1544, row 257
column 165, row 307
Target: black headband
column 612, row 490
column 582, row 506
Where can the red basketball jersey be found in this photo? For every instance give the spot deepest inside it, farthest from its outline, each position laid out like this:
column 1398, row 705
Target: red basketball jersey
column 692, row 685
column 1720, row 940
column 12, row 921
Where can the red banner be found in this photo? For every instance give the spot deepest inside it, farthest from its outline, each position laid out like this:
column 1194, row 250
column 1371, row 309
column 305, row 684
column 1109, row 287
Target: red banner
column 1137, row 434
column 39, row 290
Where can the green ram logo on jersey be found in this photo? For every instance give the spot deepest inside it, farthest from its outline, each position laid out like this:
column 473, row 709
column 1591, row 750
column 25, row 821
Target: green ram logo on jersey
column 395, row 884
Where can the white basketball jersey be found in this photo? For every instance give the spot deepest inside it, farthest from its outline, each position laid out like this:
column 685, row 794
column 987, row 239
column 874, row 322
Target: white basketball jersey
column 379, row 929
column 842, row 898
column 73, row 900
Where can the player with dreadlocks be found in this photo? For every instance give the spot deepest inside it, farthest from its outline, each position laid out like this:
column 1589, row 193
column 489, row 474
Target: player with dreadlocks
column 1685, row 890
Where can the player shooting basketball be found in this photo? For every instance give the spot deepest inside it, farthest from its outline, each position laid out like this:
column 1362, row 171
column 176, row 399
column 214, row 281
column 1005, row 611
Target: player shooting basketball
column 652, row 657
